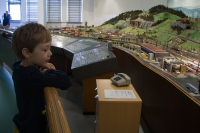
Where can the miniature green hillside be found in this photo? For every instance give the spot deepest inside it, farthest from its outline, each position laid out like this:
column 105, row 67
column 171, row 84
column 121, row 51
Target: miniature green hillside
column 146, row 15
column 165, row 15
column 124, row 16
column 163, row 18
column 161, row 8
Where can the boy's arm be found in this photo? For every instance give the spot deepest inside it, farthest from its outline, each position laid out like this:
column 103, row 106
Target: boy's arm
column 52, row 78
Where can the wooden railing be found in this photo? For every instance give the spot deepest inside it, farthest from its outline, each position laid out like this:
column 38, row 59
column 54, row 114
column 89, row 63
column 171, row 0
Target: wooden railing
column 159, row 93
column 57, row 121
column 55, row 114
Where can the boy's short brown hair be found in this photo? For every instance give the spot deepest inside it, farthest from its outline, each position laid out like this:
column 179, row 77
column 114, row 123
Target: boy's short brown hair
column 29, row 36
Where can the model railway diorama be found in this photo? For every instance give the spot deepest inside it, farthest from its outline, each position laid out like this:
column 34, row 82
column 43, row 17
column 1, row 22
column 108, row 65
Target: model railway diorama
column 161, row 36
column 158, row 48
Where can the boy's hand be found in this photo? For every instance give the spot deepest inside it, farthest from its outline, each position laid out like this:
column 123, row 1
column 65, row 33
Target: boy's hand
column 48, row 66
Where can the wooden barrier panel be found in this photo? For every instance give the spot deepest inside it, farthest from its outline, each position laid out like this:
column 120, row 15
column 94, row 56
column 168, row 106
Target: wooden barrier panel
column 166, row 106
column 57, row 121
column 55, row 114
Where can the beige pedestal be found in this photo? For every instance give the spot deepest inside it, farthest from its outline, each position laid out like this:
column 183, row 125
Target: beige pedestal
column 116, row 115
column 89, row 92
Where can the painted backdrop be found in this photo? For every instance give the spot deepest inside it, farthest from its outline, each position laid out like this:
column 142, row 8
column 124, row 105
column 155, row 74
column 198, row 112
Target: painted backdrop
column 190, row 7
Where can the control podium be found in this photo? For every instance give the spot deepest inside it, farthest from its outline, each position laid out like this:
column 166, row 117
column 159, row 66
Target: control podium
column 116, row 115
column 89, row 65
column 81, row 45
column 58, row 58
column 59, row 42
column 64, row 48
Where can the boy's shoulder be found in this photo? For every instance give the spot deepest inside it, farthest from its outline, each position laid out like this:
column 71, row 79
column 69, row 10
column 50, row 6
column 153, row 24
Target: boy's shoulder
column 17, row 68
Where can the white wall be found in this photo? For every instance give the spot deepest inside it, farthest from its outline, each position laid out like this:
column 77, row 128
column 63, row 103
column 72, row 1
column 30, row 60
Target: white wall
column 42, row 12
column 107, row 9
column 88, row 12
column 147, row 4
column 23, row 11
column 64, row 11
column 2, row 8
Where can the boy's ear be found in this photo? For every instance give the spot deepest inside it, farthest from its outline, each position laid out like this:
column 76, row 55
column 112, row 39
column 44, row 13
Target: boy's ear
column 25, row 52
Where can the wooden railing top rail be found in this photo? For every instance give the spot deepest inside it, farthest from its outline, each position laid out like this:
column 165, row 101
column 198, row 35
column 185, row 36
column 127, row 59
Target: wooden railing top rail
column 55, row 114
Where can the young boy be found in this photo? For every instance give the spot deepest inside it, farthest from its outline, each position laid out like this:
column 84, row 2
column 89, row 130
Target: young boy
column 31, row 44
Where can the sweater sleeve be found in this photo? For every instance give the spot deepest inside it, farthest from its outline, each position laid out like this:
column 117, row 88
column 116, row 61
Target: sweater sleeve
column 51, row 78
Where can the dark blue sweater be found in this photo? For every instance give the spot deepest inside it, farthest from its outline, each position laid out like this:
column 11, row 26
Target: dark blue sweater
column 29, row 84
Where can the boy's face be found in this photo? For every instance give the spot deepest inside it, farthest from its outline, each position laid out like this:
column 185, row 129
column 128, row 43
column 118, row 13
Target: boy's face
column 40, row 55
